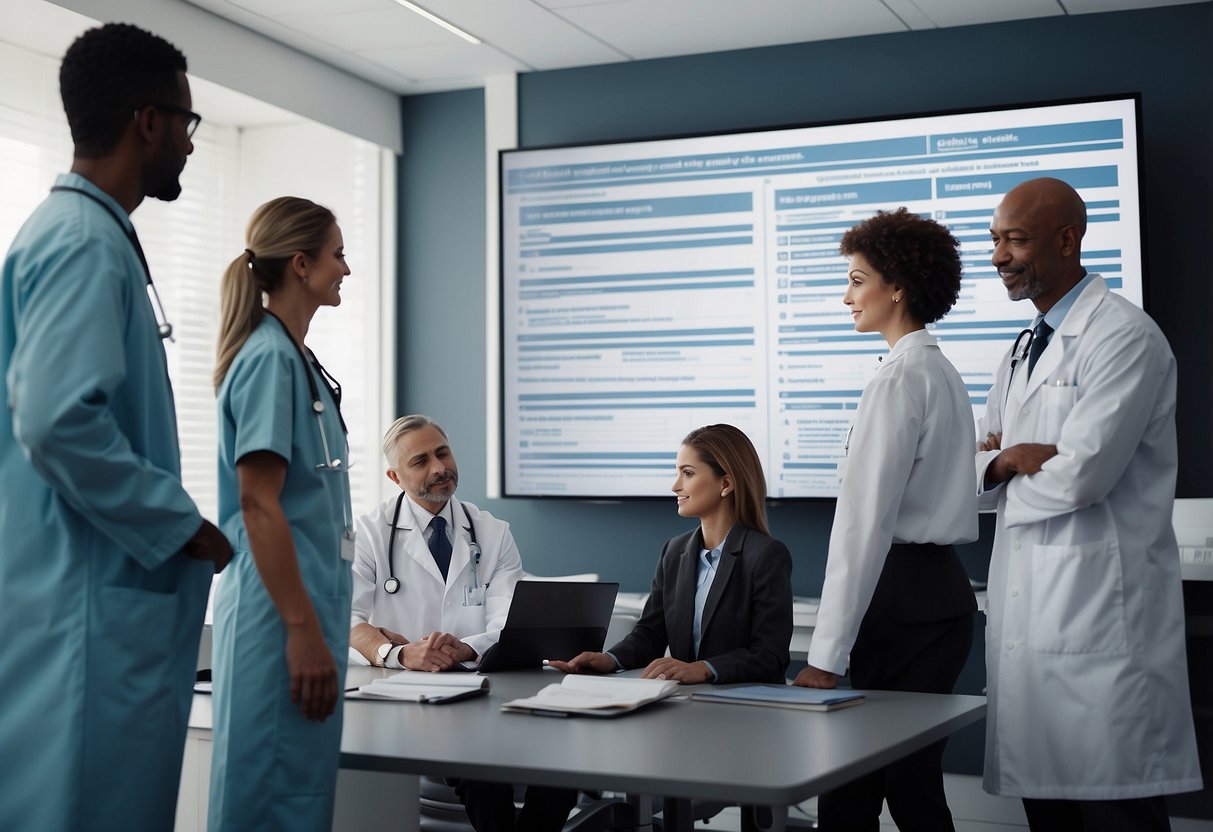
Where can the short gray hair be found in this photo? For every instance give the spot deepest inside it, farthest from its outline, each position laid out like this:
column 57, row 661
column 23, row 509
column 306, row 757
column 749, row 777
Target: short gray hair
column 404, row 425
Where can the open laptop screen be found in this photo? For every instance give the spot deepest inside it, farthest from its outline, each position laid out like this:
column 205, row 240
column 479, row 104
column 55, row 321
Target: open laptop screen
column 551, row 620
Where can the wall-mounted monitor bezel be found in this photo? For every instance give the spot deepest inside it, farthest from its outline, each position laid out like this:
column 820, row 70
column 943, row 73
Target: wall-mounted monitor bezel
column 725, row 151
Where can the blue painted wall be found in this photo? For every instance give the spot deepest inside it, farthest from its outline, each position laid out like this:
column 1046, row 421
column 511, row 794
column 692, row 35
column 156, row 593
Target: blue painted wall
column 1162, row 53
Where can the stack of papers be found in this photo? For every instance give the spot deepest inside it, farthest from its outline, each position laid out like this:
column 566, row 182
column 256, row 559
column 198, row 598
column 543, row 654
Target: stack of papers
column 784, row 696
column 426, row 688
column 599, row 696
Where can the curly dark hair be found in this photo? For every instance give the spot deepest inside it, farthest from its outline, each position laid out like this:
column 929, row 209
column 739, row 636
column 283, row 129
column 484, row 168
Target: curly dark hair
column 107, row 74
column 919, row 255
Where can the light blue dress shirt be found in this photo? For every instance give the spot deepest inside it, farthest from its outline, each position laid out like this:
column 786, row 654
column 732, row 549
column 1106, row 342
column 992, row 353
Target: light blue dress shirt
column 1057, row 313
column 708, row 561
column 100, row 608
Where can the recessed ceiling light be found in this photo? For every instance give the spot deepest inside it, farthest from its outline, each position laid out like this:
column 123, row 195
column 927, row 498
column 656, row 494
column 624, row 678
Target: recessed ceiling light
column 433, row 18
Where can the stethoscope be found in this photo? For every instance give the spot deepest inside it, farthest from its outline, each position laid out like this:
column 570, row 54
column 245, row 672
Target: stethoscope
column 163, row 327
column 330, row 463
column 392, row 584
column 1019, row 353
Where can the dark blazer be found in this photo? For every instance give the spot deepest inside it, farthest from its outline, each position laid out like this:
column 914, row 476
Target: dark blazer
column 747, row 619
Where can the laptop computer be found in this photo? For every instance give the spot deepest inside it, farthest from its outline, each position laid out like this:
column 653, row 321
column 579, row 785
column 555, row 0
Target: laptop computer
column 551, row 620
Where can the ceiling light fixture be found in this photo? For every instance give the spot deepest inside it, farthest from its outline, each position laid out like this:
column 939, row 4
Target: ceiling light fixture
column 433, row 18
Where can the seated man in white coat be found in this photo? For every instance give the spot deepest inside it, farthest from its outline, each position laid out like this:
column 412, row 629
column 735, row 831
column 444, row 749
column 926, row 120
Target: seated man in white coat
column 432, row 600
column 433, row 579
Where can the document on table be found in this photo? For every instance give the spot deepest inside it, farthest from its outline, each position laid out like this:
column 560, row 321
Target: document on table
column 426, row 688
column 600, row 696
column 783, row 696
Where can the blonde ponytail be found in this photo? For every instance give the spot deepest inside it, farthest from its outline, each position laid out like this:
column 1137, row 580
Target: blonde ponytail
column 277, row 231
column 240, row 310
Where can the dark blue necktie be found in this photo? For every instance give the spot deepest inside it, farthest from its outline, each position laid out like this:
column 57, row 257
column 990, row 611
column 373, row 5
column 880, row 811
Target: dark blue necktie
column 440, row 545
column 1040, row 340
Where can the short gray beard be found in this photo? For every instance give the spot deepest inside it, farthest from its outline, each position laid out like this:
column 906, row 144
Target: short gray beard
column 431, row 497
column 1030, row 289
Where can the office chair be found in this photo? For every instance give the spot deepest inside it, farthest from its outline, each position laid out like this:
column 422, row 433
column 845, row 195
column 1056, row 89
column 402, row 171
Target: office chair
column 581, row 577
column 753, row 818
column 441, row 811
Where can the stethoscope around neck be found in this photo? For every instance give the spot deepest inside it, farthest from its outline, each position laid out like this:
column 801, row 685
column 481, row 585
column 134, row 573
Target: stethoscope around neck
column 163, row 328
column 392, row 584
column 1019, row 351
column 330, row 463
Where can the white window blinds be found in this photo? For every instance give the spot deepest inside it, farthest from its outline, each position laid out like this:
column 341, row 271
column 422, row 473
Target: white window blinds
column 190, row 242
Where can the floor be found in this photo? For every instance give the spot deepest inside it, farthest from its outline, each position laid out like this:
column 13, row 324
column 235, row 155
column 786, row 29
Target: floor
column 972, row 809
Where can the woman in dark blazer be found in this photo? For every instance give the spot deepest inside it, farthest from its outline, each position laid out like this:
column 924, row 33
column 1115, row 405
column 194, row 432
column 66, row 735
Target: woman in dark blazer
column 721, row 600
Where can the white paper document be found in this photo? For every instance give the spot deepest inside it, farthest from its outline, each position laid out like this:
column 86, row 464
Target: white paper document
column 594, row 696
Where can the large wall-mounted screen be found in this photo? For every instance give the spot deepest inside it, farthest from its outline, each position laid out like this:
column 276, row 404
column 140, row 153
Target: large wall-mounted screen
column 651, row 287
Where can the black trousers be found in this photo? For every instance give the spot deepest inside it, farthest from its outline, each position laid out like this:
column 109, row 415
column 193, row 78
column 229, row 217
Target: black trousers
column 903, row 644
column 1144, row 814
column 490, row 807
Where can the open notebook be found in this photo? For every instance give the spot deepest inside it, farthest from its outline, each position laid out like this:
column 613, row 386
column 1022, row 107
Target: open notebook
column 425, row 688
column 599, row 696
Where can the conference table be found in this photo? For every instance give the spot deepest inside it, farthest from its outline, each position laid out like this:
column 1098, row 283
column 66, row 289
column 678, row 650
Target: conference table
column 677, row 749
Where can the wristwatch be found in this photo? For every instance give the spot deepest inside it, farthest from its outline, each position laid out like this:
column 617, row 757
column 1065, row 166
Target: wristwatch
column 383, row 651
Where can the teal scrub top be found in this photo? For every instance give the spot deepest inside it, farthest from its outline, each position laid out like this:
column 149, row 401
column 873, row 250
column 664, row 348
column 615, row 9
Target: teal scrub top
column 265, row 404
column 271, row 768
column 100, row 610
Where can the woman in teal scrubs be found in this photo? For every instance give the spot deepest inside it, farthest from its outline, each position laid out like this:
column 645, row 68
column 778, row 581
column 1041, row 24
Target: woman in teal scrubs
column 282, row 611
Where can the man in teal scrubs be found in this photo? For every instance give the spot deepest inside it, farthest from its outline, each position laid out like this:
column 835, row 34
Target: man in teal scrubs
column 105, row 562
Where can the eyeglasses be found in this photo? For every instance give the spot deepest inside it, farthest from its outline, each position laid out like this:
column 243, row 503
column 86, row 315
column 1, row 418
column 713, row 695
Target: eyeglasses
column 193, row 118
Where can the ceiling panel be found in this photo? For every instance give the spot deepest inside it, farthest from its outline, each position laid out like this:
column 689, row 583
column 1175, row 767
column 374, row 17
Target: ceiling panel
column 277, row 8
column 564, row 4
column 473, row 63
column 1092, row 6
column 968, row 12
column 340, row 55
column 909, row 12
column 389, row 45
column 531, row 33
column 662, row 28
column 381, row 28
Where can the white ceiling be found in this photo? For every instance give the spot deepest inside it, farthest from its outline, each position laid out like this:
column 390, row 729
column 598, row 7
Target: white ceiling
column 48, row 29
column 385, row 43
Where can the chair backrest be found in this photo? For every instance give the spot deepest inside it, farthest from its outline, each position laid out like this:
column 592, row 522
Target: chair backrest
column 581, row 578
column 622, row 622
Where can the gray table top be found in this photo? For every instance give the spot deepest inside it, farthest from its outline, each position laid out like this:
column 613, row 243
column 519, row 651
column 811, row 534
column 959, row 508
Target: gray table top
column 677, row 748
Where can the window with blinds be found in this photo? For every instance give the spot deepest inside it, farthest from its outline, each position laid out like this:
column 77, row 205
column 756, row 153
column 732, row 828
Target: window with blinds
column 189, row 243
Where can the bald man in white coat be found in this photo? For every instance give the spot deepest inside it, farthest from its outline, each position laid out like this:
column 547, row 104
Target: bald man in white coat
column 1090, row 718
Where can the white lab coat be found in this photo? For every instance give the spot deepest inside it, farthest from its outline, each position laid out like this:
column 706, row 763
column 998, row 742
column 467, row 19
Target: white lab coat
column 1088, row 684
column 908, row 479
column 425, row 603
